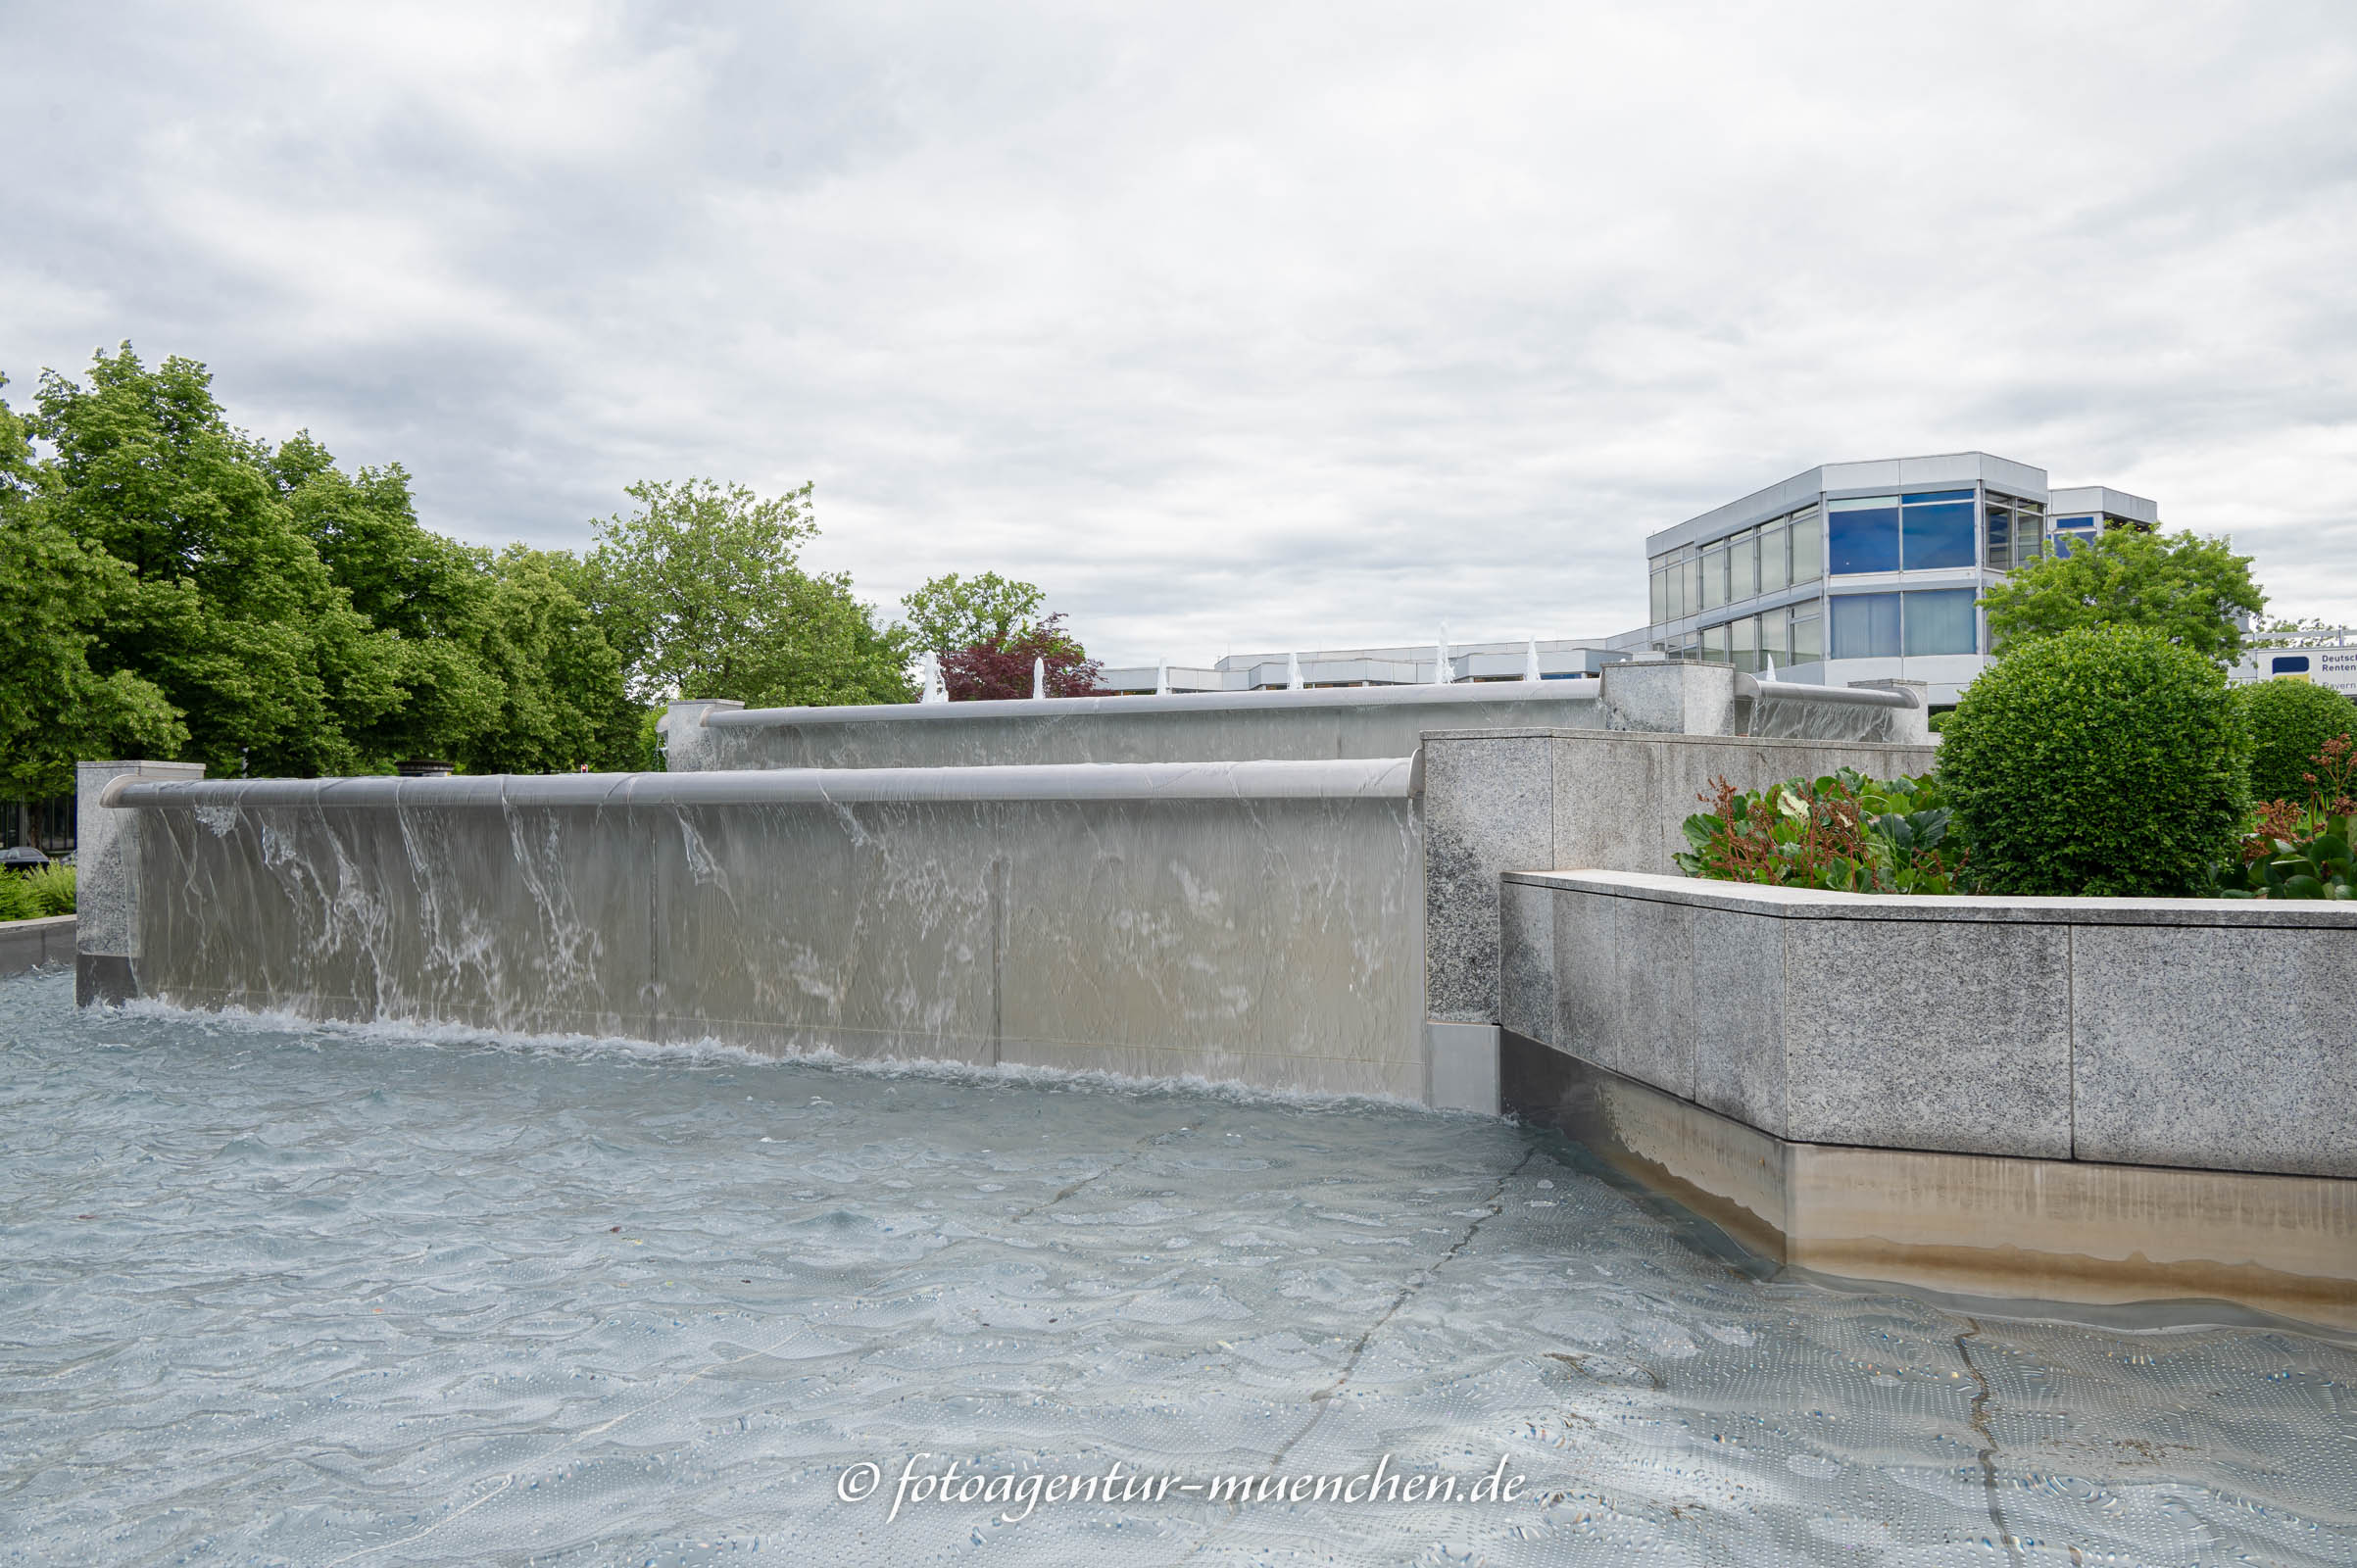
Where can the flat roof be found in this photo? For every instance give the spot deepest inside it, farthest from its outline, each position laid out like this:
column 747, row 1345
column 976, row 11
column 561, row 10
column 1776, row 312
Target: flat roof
column 1985, row 468
column 2083, row 499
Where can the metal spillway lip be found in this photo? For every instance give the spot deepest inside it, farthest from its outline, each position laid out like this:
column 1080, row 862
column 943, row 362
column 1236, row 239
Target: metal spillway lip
column 1792, row 691
column 1571, row 689
column 1346, row 778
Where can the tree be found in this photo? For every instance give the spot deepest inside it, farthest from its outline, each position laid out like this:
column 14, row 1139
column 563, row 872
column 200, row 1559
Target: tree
column 229, row 611
column 561, row 701
column 950, row 613
column 55, row 709
column 294, row 618
column 989, row 669
column 702, row 593
column 2184, row 588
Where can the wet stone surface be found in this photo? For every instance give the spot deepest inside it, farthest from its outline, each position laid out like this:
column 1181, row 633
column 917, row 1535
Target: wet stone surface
column 284, row 1294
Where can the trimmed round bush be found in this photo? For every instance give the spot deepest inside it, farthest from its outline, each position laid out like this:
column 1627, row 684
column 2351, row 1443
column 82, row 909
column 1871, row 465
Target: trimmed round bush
column 2290, row 722
column 2098, row 762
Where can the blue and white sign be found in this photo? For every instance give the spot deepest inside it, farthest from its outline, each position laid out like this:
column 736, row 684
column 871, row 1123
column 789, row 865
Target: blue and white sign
column 2336, row 668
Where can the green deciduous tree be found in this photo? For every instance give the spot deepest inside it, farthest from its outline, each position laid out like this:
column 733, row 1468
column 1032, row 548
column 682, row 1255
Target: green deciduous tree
column 702, row 593
column 55, row 709
column 294, row 618
column 2183, row 588
column 950, row 613
column 231, row 614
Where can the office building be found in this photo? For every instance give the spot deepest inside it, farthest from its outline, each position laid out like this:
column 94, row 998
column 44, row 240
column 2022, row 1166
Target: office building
column 1856, row 571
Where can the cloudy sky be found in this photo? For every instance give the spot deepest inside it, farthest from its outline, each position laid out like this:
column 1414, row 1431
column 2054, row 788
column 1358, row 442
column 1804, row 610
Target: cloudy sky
column 1237, row 328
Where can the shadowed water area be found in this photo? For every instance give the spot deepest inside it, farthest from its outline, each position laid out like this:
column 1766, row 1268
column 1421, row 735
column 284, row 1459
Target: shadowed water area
column 280, row 1294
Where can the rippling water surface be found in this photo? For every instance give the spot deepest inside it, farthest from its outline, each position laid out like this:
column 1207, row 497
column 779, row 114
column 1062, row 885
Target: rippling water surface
column 275, row 1293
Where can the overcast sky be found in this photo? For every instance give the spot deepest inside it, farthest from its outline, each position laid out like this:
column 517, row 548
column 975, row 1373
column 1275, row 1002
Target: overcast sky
column 1237, row 327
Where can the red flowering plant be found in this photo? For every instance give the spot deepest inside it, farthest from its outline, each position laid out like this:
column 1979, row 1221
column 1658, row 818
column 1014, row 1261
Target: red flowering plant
column 1002, row 666
column 2302, row 851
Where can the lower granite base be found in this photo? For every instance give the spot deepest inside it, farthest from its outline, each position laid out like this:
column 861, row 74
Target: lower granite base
column 1963, row 1224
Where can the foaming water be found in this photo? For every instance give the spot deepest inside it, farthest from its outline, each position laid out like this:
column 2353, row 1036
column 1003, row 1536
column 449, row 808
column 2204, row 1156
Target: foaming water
column 282, row 1293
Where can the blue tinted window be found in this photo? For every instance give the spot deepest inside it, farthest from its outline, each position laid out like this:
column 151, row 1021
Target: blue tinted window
column 1940, row 620
column 1940, row 535
column 1865, row 625
column 1862, row 536
column 2074, row 522
column 1938, row 494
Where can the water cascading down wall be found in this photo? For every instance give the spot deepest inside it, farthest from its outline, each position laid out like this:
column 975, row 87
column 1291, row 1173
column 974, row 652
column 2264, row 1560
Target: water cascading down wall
column 1234, row 886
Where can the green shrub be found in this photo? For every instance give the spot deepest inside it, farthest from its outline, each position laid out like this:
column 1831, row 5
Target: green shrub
column 53, row 888
column 2290, row 722
column 32, row 894
column 2100, row 761
column 1844, row 832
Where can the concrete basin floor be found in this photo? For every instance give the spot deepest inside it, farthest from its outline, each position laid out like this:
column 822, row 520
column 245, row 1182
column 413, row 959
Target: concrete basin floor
column 279, row 1292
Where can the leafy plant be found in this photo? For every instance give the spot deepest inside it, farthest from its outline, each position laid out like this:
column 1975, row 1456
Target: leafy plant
column 1844, row 832
column 2184, row 589
column 2288, row 719
column 990, row 669
column 2098, row 762
column 2303, row 852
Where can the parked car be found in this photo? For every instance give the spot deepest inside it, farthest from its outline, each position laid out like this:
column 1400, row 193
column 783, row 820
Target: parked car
column 23, row 858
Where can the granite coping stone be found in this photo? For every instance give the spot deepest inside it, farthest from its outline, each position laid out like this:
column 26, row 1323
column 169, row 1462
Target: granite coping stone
column 1814, row 904
column 1628, row 736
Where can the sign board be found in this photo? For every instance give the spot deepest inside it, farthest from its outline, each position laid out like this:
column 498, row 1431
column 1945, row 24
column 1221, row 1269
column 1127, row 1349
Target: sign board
column 2336, row 668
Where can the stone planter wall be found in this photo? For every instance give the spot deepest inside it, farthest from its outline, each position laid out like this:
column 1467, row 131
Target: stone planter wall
column 2208, row 1033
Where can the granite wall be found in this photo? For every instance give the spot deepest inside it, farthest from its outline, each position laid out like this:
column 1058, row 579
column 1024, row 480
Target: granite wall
column 1517, row 799
column 37, row 944
column 1343, row 723
column 2209, row 1034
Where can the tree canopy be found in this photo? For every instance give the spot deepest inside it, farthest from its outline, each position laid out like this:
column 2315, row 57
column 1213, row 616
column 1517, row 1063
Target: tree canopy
column 702, row 594
column 989, row 669
column 55, row 708
column 180, row 588
column 2184, row 588
column 951, row 613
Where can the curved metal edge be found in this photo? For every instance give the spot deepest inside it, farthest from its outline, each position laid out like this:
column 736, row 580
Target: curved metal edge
column 1586, row 688
column 1792, row 691
column 1353, row 778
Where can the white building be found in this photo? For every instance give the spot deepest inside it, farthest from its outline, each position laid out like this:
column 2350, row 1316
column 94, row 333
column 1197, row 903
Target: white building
column 1844, row 572
column 1559, row 659
column 1856, row 571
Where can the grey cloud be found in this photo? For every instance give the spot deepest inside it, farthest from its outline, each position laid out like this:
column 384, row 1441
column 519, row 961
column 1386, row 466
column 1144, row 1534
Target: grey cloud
column 1244, row 326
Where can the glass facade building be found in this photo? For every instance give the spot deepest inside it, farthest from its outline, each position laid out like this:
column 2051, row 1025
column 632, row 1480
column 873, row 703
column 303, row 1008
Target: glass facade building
column 1864, row 570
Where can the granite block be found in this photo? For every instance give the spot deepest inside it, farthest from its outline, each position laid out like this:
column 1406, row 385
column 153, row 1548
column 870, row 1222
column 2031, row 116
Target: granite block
column 1652, row 997
column 1488, row 808
column 1952, row 1038
column 1669, row 698
column 1527, row 960
column 1739, row 1018
column 2221, row 1049
column 1588, row 978
column 1607, row 791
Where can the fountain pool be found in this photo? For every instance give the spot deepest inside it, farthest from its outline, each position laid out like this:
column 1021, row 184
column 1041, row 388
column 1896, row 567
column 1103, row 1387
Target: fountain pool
column 284, row 1294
